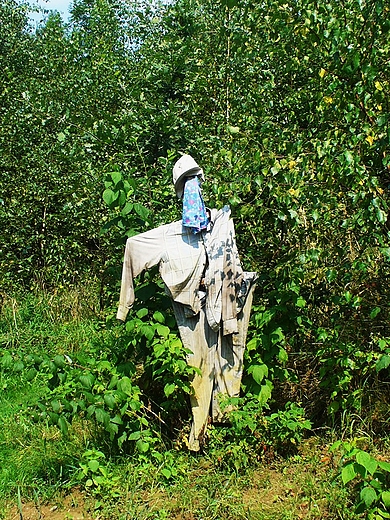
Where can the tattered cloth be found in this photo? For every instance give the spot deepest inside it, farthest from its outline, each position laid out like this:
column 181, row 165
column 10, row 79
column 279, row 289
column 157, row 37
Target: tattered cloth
column 182, row 257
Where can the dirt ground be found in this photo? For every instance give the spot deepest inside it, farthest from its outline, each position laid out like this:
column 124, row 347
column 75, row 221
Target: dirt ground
column 300, row 489
column 70, row 507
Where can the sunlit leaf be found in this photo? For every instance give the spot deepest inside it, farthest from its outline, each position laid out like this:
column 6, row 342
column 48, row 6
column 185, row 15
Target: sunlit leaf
column 348, row 473
column 169, row 389
column 368, row 495
column 366, row 460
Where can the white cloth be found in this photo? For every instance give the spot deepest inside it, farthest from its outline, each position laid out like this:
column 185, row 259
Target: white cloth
column 184, row 258
column 220, row 359
column 212, row 298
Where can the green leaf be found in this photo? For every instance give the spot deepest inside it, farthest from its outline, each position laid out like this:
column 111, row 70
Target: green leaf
column 374, row 313
column 385, row 496
column 7, row 360
column 233, row 129
column 368, row 495
column 90, row 410
column 163, row 331
column 383, row 362
column 335, row 446
column 102, row 416
column 122, row 439
column 282, row 355
column 104, row 365
column 125, row 386
column 93, row 465
column 348, row 473
column 158, row 316
column 166, row 472
column 252, row 344
column 265, row 392
column 141, row 211
column 116, row 420
column 116, row 177
column 386, row 252
column 19, row 366
column 348, row 157
column 259, row 372
column 127, row 209
column 141, row 313
column 277, row 335
column 134, row 436
column 144, row 293
column 381, row 215
column 112, row 429
column 109, row 399
column 110, row 197
column 31, row 373
column 87, row 381
column 142, row 446
column 56, row 405
column 148, row 331
column 367, row 461
column 59, row 361
column 169, row 389
column 384, row 465
column 63, row 425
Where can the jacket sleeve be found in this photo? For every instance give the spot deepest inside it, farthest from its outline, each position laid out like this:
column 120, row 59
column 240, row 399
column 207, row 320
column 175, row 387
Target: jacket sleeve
column 142, row 252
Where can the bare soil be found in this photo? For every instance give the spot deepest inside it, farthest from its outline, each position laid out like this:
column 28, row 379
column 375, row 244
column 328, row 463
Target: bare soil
column 70, row 507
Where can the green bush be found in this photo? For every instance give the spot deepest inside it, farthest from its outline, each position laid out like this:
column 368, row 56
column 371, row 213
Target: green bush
column 251, row 435
column 368, row 478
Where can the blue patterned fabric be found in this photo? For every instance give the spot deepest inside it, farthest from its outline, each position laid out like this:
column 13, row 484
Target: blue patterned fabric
column 194, row 210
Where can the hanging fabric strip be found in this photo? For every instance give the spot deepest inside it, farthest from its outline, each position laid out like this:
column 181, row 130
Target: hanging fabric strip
column 194, row 210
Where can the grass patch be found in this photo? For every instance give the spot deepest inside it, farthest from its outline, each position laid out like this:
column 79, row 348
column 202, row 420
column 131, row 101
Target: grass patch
column 47, row 323
column 33, row 456
column 293, row 488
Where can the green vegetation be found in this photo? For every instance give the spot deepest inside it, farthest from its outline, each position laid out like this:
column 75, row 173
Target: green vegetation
column 77, row 416
column 285, row 104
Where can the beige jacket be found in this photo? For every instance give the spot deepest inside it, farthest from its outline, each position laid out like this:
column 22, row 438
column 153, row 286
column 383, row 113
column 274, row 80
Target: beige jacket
column 186, row 259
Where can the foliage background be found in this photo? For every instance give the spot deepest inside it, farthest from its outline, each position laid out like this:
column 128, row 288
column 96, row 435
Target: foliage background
column 286, row 107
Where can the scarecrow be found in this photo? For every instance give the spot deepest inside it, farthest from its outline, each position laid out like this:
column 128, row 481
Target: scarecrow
column 211, row 294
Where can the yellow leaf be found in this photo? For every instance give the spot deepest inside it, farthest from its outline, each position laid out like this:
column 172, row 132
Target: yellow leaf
column 370, row 139
column 291, row 164
column 378, row 86
column 322, row 73
column 328, row 100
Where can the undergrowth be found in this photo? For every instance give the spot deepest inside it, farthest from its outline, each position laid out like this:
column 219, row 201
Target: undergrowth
column 88, row 404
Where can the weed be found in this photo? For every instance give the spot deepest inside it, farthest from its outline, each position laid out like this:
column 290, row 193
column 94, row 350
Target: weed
column 62, row 401
column 371, row 478
column 97, row 476
column 251, row 435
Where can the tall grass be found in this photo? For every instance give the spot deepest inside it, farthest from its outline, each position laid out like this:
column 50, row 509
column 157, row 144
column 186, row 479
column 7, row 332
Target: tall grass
column 33, row 455
column 60, row 321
